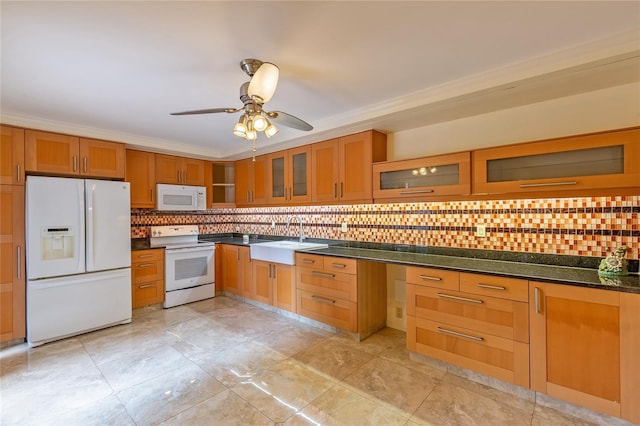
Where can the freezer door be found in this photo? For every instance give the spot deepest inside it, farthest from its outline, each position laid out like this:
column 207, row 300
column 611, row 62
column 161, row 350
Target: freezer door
column 108, row 220
column 55, row 226
column 66, row 306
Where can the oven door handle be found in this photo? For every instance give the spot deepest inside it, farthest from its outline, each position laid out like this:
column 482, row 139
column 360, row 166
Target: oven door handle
column 190, row 249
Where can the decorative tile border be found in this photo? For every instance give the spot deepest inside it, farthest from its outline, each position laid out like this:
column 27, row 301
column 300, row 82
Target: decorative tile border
column 572, row 226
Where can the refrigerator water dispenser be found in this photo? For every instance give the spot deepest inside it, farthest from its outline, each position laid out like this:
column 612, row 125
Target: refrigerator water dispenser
column 57, row 242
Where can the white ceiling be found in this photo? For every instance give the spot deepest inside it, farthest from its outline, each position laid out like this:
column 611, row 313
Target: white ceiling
column 115, row 70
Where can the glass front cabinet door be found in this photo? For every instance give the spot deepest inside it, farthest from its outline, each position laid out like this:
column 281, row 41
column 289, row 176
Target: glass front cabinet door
column 290, row 176
column 603, row 160
column 423, row 177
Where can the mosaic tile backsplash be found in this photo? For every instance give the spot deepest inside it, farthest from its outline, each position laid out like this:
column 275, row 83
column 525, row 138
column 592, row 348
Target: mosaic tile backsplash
column 588, row 226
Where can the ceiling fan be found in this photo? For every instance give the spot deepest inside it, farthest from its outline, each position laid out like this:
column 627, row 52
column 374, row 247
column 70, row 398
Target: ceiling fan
column 254, row 94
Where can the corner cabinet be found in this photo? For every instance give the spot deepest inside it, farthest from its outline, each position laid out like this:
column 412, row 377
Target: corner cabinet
column 12, row 156
column 52, row 153
column 12, row 263
column 595, row 161
column 342, row 167
column 575, row 345
column 423, row 178
column 141, row 174
column 289, row 176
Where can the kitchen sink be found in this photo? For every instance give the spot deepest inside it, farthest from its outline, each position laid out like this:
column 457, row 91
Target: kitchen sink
column 280, row 251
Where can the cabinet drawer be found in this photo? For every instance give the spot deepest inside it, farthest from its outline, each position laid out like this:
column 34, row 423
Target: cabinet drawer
column 147, row 255
column 143, row 294
column 488, row 285
column 337, row 264
column 336, row 312
column 489, row 315
column 440, row 278
column 143, row 272
column 334, row 285
column 310, row 260
column 495, row 356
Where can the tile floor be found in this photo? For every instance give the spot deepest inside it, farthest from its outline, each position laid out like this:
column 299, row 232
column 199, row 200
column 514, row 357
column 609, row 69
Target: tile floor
column 225, row 362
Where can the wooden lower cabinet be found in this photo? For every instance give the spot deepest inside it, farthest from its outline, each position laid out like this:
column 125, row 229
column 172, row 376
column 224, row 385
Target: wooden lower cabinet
column 629, row 350
column 236, row 270
column 147, row 277
column 450, row 317
column 575, row 345
column 274, row 284
column 344, row 293
column 12, row 263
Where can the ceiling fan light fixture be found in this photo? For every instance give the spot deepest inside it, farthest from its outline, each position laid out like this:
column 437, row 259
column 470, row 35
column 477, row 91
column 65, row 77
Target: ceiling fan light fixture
column 240, row 129
column 252, row 135
column 271, row 130
column 264, row 82
column 259, row 122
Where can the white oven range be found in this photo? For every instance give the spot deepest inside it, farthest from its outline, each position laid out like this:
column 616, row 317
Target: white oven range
column 188, row 266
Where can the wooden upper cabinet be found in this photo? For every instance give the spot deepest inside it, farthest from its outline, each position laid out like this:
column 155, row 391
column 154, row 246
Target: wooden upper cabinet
column 141, row 174
column 12, row 263
column 575, row 345
column 52, row 153
column 101, row 158
column 12, row 156
column 179, row 170
column 251, row 181
column 595, row 161
column 289, row 176
column 422, row 178
column 219, row 179
column 342, row 167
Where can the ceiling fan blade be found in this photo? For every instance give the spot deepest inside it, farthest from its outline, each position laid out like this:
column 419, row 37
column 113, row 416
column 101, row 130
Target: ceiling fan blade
column 207, row 111
column 289, row 120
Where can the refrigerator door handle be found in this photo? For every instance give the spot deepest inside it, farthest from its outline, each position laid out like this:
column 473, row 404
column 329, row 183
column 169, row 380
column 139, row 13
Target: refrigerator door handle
column 90, row 240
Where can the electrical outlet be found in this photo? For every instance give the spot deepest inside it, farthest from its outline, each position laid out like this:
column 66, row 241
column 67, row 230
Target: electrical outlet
column 237, row 229
column 343, row 227
column 481, row 230
column 398, row 311
column 273, row 225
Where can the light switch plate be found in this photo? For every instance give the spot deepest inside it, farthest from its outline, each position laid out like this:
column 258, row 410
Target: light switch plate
column 481, row 230
column 343, row 227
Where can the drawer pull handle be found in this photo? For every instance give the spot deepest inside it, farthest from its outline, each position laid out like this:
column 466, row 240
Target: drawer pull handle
column 308, row 261
column 322, row 274
column 323, row 299
column 422, row 191
column 142, row 256
column 535, row 185
column 146, row 286
column 145, row 265
column 492, row 287
column 339, row 265
column 427, row 277
column 461, row 299
column 455, row 333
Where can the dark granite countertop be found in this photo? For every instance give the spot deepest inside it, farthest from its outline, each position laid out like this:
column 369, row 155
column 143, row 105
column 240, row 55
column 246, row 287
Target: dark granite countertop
column 550, row 273
column 571, row 270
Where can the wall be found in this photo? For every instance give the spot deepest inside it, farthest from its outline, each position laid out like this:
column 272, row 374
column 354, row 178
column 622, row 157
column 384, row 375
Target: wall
column 586, row 226
column 613, row 108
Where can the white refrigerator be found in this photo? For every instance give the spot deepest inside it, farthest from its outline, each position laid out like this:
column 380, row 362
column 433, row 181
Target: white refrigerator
column 78, row 256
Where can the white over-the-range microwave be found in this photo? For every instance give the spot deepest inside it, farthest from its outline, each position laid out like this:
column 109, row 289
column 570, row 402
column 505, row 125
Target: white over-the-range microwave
column 181, row 197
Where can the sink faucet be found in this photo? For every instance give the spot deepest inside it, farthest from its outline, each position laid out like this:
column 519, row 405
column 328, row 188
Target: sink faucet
column 297, row 216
